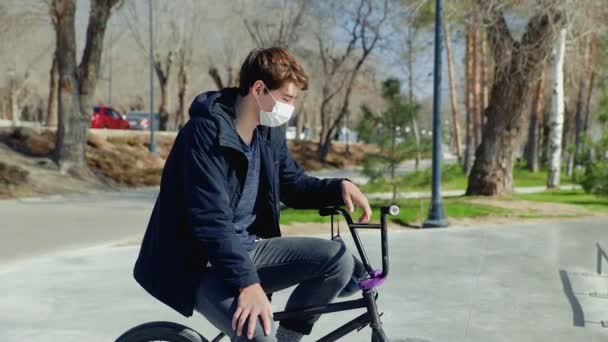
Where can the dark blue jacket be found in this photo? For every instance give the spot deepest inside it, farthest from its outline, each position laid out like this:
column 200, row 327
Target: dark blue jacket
column 192, row 220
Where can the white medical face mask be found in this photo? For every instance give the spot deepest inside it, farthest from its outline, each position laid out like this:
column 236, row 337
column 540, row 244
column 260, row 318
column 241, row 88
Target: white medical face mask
column 280, row 114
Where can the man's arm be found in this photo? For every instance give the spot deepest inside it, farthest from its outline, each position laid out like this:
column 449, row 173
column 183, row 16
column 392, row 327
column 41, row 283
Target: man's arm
column 208, row 209
column 301, row 191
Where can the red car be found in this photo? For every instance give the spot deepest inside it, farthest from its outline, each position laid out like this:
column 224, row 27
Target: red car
column 108, row 117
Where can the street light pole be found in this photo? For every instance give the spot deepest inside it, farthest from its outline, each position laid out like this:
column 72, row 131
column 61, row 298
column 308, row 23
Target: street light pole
column 436, row 216
column 152, row 121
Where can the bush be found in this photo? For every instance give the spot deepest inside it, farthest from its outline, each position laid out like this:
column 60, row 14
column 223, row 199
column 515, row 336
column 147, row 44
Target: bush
column 595, row 178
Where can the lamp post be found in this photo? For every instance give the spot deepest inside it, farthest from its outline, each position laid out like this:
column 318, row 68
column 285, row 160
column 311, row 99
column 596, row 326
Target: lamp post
column 152, row 120
column 436, row 216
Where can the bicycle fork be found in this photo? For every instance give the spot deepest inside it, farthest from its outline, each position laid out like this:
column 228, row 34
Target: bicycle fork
column 374, row 318
column 370, row 317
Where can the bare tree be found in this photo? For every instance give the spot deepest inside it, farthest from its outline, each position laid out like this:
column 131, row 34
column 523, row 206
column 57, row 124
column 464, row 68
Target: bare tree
column 279, row 25
column 77, row 81
column 453, row 100
column 342, row 68
column 417, row 17
column 517, row 65
column 19, row 21
column 172, row 43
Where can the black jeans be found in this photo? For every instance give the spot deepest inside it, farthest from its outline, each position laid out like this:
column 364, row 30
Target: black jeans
column 321, row 267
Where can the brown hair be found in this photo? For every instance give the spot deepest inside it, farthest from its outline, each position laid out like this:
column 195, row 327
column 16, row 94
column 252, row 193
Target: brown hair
column 274, row 66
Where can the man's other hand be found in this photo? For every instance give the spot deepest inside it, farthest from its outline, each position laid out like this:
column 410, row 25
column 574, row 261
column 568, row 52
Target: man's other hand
column 253, row 303
column 353, row 196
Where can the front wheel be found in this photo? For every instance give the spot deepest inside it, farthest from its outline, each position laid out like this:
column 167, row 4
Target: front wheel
column 161, row 331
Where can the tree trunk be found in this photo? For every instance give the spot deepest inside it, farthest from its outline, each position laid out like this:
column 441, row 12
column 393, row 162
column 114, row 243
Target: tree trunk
column 517, row 65
column 476, row 82
column 77, row 83
column 410, row 81
column 13, row 99
column 588, row 101
column 181, row 96
column 556, row 118
column 469, row 140
column 69, row 151
column 163, row 112
column 453, row 102
column 484, row 78
column 532, row 146
column 51, row 109
column 580, row 102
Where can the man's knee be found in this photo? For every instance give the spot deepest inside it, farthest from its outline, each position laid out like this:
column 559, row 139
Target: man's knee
column 339, row 261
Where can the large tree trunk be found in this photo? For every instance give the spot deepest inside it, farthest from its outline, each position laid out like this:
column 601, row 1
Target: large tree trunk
column 532, row 146
column 469, row 127
column 77, row 83
column 517, row 65
column 69, row 150
column 453, row 101
column 556, row 118
column 51, row 109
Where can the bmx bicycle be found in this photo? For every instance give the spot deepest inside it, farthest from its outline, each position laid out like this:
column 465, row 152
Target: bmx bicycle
column 372, row 278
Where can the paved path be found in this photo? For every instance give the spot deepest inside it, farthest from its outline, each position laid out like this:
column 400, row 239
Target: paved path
column 523, row 282
column 36, row 226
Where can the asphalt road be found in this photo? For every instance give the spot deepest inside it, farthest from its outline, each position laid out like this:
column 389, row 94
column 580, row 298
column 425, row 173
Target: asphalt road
column 39, row 226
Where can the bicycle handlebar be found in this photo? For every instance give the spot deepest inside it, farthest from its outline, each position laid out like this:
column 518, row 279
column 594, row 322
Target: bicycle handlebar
column 392, row 210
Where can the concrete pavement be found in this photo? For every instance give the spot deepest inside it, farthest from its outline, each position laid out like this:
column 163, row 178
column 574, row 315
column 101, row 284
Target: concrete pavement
column 37, row 226
column 523, row 282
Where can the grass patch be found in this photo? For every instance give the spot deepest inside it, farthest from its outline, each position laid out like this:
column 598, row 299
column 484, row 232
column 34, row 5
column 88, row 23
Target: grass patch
column 452, row 178
column 574, row 197
column 412, row 211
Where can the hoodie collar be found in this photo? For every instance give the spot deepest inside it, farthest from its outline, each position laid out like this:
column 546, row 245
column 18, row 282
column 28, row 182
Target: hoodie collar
column 219, row 105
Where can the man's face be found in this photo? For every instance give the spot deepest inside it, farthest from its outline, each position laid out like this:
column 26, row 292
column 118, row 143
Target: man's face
column 286, row 93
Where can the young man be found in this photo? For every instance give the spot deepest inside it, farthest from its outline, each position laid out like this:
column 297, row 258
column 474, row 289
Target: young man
column 213, row 241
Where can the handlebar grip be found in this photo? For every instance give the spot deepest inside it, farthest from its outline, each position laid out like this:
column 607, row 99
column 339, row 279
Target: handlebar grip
column 392, row 210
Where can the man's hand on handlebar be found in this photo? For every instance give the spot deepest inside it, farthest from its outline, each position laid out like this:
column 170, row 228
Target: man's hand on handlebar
column 352, row 196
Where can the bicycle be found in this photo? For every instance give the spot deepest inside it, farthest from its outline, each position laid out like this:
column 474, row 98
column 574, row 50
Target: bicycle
column 174, row 332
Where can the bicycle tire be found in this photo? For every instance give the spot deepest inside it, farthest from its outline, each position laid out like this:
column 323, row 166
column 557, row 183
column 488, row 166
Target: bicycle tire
column 161, row 331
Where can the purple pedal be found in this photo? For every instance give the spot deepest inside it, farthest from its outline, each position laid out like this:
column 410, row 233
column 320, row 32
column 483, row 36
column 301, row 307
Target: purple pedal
column 375, row 281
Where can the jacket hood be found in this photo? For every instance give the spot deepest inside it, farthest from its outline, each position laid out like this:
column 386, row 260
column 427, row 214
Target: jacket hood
column 218, row 105
column 218, row 102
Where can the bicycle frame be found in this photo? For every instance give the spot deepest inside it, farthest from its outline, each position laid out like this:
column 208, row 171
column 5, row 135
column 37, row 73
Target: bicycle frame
column 369, row 292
